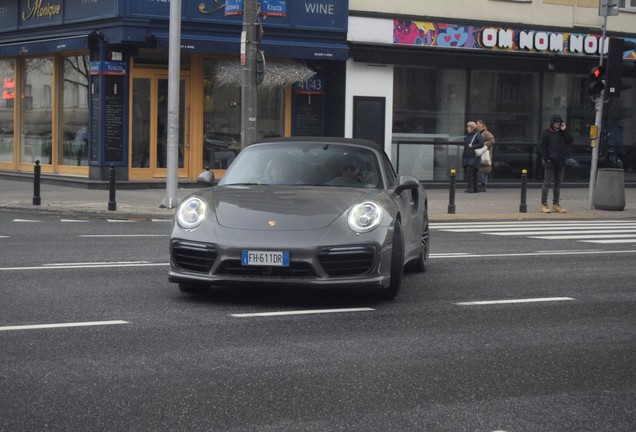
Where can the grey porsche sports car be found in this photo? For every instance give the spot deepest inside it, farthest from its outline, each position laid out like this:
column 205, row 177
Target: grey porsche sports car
column 306, row 212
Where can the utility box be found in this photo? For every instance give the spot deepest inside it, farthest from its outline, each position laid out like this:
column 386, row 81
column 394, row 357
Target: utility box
column 609, row 192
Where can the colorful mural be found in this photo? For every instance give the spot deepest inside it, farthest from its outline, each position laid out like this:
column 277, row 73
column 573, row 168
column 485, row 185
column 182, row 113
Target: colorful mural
column 445, row 35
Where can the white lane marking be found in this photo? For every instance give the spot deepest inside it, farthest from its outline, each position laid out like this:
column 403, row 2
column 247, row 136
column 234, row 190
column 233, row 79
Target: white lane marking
column 513, row 301
column 121, row 220
column 62, row 325
column 161, row 220
column 96, row 263
column 121, row 235
column 526, row 223
column 84, row 265
column 302, row 312
column 611, row 241
column 568, row 228
column 548, row 232
column 5, row 236
column 585, row 237
column 74, row 220
column 25, row 220
column 542, row 253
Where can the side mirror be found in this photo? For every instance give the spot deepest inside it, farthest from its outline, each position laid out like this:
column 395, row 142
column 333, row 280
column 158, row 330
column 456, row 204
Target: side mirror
column 206, row 178
column 406, row 182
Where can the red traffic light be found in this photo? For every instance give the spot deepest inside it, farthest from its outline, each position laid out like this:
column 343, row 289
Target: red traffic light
column 597, row 72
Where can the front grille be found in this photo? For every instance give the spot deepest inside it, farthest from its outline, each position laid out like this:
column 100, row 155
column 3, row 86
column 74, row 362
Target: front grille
column 196, row 257
column 347, row 261
column 295, row 269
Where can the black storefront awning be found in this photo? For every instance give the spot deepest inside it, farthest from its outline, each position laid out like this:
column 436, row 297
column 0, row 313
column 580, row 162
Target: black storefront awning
column 44, row 46
column 230, row 44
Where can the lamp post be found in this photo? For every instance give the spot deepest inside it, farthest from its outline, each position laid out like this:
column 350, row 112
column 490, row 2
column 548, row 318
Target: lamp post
column 249, row 89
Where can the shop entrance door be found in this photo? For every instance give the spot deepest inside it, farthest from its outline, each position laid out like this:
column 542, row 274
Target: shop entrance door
column 149, row 126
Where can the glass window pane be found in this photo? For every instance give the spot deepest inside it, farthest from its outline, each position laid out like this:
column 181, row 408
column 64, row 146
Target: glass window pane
column 74, row 117
column 508, row 102
column 222, row 115
column 7, row 103
column 428, row 109
column 140, row 126
column 36, row 110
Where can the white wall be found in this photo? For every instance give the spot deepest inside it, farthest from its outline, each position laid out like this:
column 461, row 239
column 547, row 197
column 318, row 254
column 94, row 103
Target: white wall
column 374, row 81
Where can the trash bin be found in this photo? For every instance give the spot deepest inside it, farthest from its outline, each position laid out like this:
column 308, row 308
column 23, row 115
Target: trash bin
column 609, row 192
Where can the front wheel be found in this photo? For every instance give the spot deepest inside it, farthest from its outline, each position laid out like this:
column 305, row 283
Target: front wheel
column 397, row 264
column 421, row 264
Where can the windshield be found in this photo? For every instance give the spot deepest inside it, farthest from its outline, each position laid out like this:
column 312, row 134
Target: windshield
column 305, row 163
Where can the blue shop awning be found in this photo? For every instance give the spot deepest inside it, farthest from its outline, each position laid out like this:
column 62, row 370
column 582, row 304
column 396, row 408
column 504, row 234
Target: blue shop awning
column 285, row 48
column 44, row 46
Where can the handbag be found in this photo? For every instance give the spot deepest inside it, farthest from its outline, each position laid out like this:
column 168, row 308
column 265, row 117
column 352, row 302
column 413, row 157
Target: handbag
column 485, row 156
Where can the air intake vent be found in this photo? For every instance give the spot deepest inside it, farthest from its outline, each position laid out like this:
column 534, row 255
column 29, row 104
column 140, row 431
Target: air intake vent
column 347, row 261
column 195, row 257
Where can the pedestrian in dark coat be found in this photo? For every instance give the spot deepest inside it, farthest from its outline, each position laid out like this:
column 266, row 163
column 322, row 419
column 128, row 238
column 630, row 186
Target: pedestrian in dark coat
column 554, row 148
column 470, row 161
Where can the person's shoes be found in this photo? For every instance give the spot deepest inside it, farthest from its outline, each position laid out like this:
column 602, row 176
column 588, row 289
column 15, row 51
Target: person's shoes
column 557, row 208
column 468, row 190
column 545, row 208
column 482, row 188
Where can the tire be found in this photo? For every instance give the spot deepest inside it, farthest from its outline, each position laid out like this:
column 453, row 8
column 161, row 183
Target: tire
column 397, row 264
column 421, row 264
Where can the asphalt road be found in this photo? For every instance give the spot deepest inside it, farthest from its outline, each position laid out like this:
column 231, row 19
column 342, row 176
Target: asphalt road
column 94, row 338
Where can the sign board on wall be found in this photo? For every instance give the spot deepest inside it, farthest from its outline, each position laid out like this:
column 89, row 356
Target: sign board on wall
column 449, row 35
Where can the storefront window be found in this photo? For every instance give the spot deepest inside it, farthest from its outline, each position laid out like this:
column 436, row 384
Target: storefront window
column 36, row 110
column 509, row 103
column 7, row 103
column 222, row 113
column 74, row 116
column 428, row 121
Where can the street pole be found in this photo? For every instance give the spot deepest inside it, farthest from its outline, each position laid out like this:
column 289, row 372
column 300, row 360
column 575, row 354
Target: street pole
column 174, row 79
column 249, row 88
column 598, row 122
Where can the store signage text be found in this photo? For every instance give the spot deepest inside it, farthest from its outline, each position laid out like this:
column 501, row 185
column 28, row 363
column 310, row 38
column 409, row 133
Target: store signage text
column 36, row 9
column 495, row 38
column 319, row 8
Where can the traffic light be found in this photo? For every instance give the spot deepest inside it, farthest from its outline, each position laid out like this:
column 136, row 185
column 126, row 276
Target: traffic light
column 260, row 67
column 617, row 65
column 597, row 80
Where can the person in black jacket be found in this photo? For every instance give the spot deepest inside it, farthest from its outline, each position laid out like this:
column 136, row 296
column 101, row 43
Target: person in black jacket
column 470, row 161
column 554, row 148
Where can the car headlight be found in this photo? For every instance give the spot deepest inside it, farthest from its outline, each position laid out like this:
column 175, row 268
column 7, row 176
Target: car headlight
column 191, row 212
column 365, row 216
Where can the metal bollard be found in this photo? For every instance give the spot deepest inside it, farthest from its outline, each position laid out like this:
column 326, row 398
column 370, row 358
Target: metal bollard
column 37, row 169
column 523, row 207
column 451, row 192
column 112, row 204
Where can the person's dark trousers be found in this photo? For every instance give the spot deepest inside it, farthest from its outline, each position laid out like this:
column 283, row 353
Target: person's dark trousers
column 471, row 178
column 553, row 173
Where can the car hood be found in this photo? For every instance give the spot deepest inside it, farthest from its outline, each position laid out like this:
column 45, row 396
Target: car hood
column 281, row 207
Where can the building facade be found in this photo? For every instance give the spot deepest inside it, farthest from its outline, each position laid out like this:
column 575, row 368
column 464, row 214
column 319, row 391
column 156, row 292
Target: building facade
column 85, row 82
column 418, row 72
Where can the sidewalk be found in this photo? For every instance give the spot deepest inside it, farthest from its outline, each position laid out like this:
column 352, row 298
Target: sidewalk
column 496, row 204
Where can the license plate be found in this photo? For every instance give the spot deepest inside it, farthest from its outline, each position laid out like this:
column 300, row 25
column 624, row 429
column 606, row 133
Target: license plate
column 265, row 258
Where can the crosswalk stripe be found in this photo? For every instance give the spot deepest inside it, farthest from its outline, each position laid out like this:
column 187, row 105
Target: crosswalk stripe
column 594, row 231
column 585, row 237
